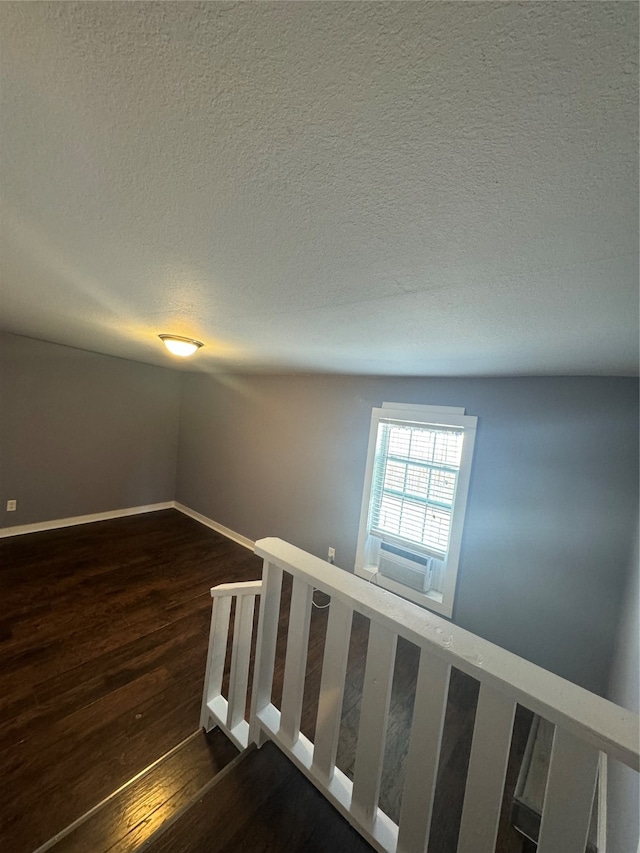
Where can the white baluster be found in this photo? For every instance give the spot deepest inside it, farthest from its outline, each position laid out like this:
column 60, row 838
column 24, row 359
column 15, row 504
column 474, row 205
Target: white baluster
column 378, row 677
column 216, row 655
column 568, row 800
column 265, row 646
column 334, row 668
column 487, row 771
column 432, row 689
column 240, row 653
column 295, row 664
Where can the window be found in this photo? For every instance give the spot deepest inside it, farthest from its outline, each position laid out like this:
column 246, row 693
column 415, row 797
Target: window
column 414, row 499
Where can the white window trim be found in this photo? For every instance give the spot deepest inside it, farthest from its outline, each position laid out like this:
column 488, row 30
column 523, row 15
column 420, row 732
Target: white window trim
column 441, row 603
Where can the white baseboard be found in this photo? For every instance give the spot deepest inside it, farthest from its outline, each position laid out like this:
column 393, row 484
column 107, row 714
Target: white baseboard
column 56, row 523
column 219, row 528
column 40, row 526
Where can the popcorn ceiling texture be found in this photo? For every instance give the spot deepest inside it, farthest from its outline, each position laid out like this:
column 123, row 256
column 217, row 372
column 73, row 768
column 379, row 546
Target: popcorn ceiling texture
column 384, row 188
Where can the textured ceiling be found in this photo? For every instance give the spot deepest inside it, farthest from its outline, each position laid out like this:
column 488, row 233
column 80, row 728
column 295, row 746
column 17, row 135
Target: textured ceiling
column 393, row 188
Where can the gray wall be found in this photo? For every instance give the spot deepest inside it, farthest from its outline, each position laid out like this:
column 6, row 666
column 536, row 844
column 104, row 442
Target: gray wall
column 82, row 433
column 553, row 501
column 552, row 508
column 623, row 814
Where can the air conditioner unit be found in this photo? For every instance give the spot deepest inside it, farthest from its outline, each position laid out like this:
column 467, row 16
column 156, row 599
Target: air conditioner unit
column 405, row 567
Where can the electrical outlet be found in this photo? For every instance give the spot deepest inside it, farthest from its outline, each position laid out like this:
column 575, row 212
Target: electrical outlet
column 332, row 555
column 12, row 506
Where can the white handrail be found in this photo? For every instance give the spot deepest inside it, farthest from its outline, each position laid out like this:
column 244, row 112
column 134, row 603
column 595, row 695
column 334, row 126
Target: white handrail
column 236, row 589
column 595, row 720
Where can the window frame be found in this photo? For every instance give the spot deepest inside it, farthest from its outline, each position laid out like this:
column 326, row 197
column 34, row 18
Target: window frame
column 428, row 416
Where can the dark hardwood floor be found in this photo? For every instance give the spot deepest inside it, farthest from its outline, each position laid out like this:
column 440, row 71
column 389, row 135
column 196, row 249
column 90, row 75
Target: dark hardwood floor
column 103, row 641
column 131, row 817
column 265, row 805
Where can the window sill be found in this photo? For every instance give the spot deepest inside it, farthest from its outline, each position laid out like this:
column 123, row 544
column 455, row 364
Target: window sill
column 430, row 600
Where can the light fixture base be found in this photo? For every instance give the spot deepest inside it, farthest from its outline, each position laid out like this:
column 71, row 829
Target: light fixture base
column 178, row 345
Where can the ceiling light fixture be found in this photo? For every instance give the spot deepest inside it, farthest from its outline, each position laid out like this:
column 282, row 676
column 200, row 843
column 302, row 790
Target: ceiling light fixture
column 180, row 346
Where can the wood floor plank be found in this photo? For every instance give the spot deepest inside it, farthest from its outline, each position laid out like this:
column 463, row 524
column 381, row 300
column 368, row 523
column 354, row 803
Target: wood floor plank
column 134, row 814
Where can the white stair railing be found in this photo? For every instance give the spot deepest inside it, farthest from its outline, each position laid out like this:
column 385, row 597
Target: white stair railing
column 229, row 714
column 585, row 724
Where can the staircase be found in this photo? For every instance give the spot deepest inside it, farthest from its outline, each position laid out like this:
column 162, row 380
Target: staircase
column 126, row 819
column 206, row 797
column 260, row 803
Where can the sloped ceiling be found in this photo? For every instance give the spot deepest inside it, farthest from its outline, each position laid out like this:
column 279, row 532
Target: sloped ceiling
column 387, row 188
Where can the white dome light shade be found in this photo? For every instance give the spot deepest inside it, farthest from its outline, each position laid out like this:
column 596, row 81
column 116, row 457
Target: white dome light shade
column 180, row 346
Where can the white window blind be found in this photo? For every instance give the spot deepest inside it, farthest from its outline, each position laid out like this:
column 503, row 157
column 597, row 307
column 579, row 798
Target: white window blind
column 414, row 483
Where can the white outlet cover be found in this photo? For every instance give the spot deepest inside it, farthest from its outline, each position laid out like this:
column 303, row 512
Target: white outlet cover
column 12, row 506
